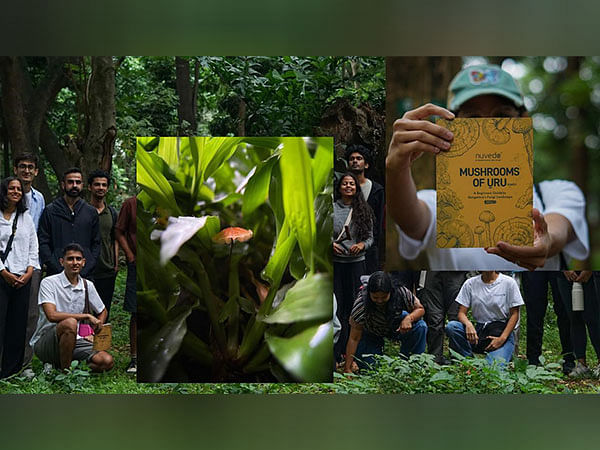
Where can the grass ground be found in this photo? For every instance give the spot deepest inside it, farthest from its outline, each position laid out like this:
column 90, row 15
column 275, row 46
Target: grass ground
column 393, row 375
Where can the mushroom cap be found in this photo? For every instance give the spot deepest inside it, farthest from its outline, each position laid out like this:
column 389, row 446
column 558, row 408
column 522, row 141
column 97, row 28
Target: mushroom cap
column 479, row 229
column 487, row 216
column 232, row 234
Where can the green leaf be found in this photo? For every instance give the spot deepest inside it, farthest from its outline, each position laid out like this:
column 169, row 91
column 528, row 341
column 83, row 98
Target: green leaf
column 297, row 266
column 257, row 189
column 217, row 150
column 154, row 183
column 308, row 356
column 268, row 142
column 322, row 164
column 442, row 376
column 310, row 299
column 160, row 348
column 298, row 195
column 168, row 151
column 228, row 310
column 281, row 255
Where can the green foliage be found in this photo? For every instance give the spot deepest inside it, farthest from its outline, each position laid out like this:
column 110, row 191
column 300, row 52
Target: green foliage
column 189, row 306
column 421, row 374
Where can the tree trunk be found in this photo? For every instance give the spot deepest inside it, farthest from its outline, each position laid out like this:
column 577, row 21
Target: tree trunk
column 28, row 106
column 99, row 141
column 27, row 126
column 241, row 123
column 186, row 108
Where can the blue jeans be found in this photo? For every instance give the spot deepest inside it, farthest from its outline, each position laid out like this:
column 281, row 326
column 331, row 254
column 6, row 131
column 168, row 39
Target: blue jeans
column 459, row 343
column 413, row 342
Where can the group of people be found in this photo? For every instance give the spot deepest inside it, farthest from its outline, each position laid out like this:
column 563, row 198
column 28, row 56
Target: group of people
column 358, row 212
column 420, row 308
column 58, row 266
column 388, row 306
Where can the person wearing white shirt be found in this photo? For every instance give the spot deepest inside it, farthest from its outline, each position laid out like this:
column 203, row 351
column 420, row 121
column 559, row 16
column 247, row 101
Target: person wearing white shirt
column 18, row 259
column 26, row 168
column 60, row 335
column 494, row 300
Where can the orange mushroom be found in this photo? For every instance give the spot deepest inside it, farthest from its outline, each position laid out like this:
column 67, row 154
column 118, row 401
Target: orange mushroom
column 232, row 234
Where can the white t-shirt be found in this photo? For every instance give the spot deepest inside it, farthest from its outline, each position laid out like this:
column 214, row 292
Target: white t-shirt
column 560, row 197
column 24, row 248
column 490, row 302
column 58, row 290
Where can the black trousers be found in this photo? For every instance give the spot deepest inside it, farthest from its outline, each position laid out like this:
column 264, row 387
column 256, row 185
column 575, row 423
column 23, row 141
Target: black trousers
column 438, row 298
column 32, row 314
column 106, row 288
column 535, row 296
column 14, row 304
column 590, row 316
column 346, row 282
column 372, row 259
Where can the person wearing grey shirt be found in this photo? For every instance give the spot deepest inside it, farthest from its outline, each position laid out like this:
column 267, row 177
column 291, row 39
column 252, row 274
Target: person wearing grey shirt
column 353, row 235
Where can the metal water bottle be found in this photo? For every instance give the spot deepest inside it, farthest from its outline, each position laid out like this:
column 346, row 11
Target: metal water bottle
column 577, row 296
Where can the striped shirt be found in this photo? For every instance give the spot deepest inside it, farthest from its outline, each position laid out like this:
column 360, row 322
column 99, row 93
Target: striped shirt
column 383, row 320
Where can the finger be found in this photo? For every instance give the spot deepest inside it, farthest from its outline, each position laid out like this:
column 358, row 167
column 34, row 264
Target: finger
column 529, row 264
column 540, row 224
column 424, row 137
column 403, row 126
column 427, row 110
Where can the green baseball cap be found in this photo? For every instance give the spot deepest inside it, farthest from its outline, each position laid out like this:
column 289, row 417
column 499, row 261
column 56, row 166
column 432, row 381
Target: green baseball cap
column 482, row 79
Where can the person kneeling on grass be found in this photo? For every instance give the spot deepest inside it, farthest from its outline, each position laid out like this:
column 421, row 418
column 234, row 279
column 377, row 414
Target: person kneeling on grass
column 494, row 300
column 62, row 334
column 382, row 310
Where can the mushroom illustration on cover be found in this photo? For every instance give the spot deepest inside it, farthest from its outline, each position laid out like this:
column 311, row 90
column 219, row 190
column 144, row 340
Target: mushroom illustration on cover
column 485, row 183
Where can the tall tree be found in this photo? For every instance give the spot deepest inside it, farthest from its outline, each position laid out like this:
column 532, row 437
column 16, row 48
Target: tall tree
column 187, row 92
column 29, row 92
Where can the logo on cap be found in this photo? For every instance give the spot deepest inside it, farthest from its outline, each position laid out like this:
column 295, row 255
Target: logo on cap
column 488, row 76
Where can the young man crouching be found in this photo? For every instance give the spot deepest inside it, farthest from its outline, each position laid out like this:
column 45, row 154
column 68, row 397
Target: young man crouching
column 60, row 334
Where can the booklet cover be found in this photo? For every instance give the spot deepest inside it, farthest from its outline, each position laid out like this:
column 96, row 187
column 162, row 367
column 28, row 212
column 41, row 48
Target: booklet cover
column 485, row 183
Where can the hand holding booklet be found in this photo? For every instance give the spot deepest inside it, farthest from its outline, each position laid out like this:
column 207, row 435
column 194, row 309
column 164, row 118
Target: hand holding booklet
column 484, row 183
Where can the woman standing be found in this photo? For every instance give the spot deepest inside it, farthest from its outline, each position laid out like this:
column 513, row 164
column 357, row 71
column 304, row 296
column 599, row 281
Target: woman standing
column 18, row 258
column 352, row 235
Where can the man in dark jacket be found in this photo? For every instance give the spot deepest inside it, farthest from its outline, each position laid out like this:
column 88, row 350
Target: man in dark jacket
column 66, row 220
column 359, row 158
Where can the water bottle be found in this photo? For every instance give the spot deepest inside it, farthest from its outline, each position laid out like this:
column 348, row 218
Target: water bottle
column 577, row 296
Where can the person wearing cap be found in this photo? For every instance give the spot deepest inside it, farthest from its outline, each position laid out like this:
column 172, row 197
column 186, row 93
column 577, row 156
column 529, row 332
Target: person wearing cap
column 358, row 158
column 558, row 206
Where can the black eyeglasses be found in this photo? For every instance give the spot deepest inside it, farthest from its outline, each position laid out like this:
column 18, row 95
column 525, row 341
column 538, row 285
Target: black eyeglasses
column 26, row 166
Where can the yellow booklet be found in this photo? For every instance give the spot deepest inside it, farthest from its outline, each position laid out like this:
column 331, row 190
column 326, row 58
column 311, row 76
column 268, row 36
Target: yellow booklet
column 485, row 183
column 103, row 339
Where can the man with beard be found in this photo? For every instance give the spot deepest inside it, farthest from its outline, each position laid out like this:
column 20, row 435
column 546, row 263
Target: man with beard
column 66, row 220
column 107, row 266
column 358, row 158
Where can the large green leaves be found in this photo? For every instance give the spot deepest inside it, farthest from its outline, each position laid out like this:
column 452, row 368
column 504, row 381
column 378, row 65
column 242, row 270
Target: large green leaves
column 159, row 349
column 257, row 189
column 154, row 183
column 308, row 356
column 298, row 195
column 310, row 299
column 322, row 163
